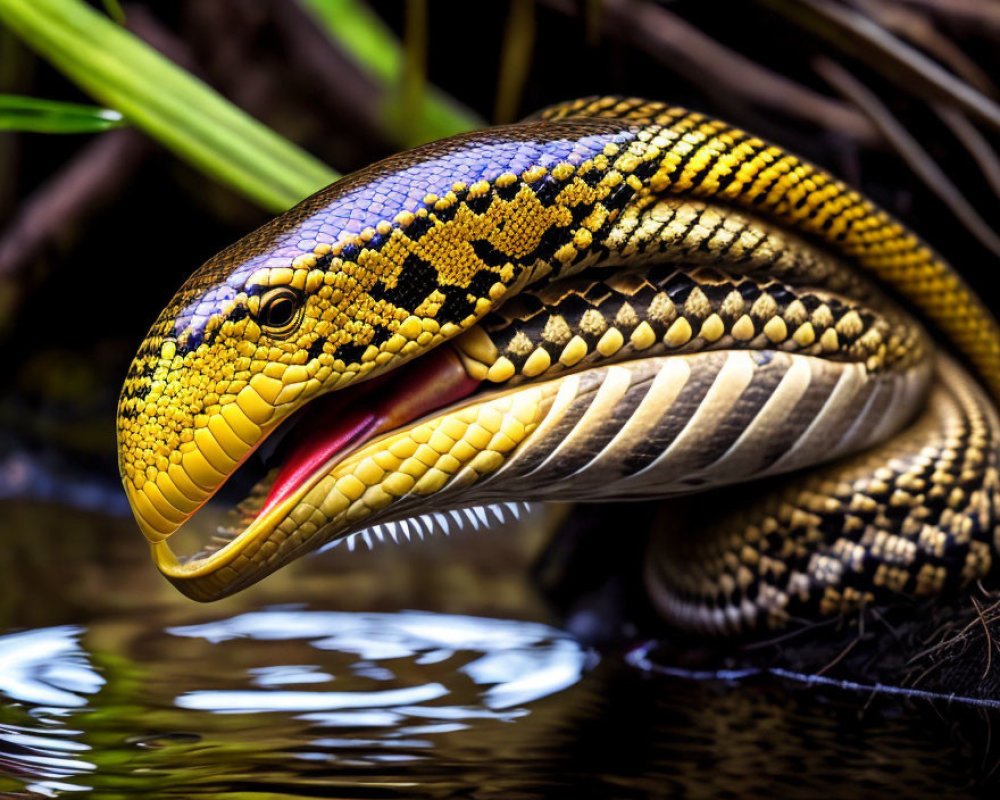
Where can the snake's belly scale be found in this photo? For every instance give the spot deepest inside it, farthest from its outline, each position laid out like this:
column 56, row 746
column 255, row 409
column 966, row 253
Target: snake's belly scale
column 649, row 303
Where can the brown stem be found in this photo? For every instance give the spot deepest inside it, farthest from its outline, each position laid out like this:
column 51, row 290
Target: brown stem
column 917, row 28
column 973, row 141
column 89, row 183
column 342, row 87
column 910, row 151
column 859, row 36
column 982, row 14
column 685, row 49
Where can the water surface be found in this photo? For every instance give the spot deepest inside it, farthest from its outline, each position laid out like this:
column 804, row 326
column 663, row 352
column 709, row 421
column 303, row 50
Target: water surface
column 424, row 670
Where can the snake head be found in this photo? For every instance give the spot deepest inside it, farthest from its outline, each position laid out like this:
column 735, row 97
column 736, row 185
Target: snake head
column 188, row 413
column 356, row 281
column 278, row 319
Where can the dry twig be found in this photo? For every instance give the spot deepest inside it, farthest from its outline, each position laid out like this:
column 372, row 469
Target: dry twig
column 910, row 151
column 92, row 180
column 861, row 37
column 914, row 26
column 980, row 14
column 974, row 142
column 685, row 49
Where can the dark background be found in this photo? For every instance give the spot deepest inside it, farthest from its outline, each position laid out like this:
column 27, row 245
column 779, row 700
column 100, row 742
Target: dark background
column 97, row 232
column 115, row 227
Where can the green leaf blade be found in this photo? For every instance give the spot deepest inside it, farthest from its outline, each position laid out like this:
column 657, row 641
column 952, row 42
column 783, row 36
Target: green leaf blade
column 35, row 115
column 168, row 103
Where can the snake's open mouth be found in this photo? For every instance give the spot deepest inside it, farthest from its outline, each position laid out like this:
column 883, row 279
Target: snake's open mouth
column 304, row 448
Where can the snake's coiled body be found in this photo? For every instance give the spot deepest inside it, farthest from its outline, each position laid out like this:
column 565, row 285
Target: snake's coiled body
column 635, row 302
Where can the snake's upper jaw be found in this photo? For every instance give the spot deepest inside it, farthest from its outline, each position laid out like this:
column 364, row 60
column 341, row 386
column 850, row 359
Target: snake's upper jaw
column 275, row 522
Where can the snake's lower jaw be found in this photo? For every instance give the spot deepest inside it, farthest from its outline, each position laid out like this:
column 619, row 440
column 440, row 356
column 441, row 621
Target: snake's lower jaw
column 321, row 486
column 212, row 575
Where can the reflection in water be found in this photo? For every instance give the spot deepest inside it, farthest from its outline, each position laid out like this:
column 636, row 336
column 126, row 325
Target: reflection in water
column 356, row 690
column 287, row 703
column 47, row 668
column 520, row 661
column 153, row 698
column 47, row 673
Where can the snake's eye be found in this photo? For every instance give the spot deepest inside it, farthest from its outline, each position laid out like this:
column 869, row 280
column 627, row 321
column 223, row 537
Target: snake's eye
column 279, row 310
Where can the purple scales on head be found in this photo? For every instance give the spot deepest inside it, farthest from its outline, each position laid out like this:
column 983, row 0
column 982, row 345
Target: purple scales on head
column 389, row 191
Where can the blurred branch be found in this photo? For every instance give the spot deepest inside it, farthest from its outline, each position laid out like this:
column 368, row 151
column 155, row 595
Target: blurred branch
column 92, row 181
column 592, row 20
column 973, row 141
column 167, row 102
column 16, row 62
column 343, row 86
column 973, row 12
column 859, row 36
column 61, row 206
column 87, row 184
column 910, row 151
column 685, row 49
column 911, row 24
column 114, row 10
column 515, row 59
column 357, row 31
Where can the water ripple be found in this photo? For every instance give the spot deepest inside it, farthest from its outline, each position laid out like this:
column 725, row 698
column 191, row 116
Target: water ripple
column 514, row 663
column 44, row 675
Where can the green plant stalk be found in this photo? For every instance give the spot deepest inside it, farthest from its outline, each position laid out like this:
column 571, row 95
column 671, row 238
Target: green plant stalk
column 515, row 60
column 359, row 33
column 167, row 102
column 19, row 113
column 413, row 80
column 114, row 10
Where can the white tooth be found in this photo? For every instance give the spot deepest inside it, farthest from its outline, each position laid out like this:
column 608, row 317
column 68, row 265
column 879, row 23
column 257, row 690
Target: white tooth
column 329, row 546
column 498, row 513
column 514, row 509
column 481, row 513
column 379, row 533
column 393, row 531
column 406, row 530
column 442, row 522
column 426, row 522
column 368, row 539
column 351, row 542
column 459, row 520
column 472, row 518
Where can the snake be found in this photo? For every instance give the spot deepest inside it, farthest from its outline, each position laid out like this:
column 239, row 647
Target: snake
column 613, row 300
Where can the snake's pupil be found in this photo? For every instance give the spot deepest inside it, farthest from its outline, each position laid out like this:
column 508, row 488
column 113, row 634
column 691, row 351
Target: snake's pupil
column 280, row 311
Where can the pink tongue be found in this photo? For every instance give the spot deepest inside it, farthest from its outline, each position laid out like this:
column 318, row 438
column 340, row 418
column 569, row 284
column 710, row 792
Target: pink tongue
column 433, row 382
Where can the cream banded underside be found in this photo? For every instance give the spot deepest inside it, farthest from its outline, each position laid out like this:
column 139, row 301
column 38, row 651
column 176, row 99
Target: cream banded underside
column 914, row 516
